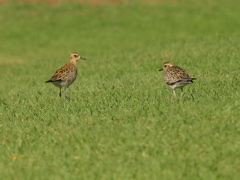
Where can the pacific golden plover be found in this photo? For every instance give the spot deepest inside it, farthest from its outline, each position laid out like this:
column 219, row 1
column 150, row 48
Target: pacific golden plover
column 67, row 74
column 176, row 77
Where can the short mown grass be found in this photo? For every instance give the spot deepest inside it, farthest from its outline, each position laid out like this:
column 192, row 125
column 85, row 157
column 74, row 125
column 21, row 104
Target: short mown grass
column 122, row 121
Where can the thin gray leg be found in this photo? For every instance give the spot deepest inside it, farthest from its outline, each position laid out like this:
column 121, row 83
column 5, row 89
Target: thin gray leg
column 174, row 93
column 182, row 93
column 60, row 93
column 67, row 94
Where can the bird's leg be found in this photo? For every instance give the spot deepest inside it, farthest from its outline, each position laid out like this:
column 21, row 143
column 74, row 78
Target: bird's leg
column 67, row 94
column 182, row 92
column 60, row 93
column 174, row 94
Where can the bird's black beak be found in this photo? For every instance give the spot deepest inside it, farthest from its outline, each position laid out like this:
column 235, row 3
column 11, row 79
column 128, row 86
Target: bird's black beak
column 83, row 58
column 160, row 69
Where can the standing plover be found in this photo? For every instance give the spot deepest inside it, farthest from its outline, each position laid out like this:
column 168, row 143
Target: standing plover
column 176, row 77
column 67, row 74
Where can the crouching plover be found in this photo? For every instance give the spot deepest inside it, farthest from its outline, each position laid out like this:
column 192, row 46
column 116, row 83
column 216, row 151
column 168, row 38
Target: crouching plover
column 67, row 74
column 176, row 77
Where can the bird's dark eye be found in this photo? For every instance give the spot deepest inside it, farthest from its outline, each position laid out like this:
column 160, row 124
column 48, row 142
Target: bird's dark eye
column 75, row 55
column 165, row 65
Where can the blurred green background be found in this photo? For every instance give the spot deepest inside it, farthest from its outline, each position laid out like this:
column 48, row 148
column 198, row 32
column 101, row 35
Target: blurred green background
column 122, row 121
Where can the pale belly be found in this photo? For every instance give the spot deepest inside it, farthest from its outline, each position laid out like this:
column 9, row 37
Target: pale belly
column 179, row 85
column 67, row 81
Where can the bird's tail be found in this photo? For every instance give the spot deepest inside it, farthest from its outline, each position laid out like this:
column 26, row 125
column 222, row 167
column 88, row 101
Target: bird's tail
column 51, row 80
column 48, row 81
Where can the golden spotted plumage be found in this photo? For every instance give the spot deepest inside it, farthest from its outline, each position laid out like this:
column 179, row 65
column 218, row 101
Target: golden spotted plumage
column 67, row 74
column 176, row 77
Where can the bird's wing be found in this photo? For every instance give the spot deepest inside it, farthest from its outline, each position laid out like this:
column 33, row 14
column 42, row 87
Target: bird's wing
column 185, row 76
column 180, row 75
column 60, row 74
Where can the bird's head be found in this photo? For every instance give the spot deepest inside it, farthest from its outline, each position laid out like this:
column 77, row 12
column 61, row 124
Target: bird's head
column 166, row 66
column 74, row 57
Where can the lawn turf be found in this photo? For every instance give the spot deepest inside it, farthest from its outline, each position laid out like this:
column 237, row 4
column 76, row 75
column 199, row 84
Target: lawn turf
column 122, row 121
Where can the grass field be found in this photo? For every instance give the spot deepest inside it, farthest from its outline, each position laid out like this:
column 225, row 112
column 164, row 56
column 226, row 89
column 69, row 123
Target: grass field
column 122, row 121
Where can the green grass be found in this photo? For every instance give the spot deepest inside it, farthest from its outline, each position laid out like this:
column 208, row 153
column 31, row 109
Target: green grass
column 122, row 121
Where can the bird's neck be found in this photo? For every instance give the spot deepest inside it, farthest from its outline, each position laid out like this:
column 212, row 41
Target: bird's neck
column 73, row 61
